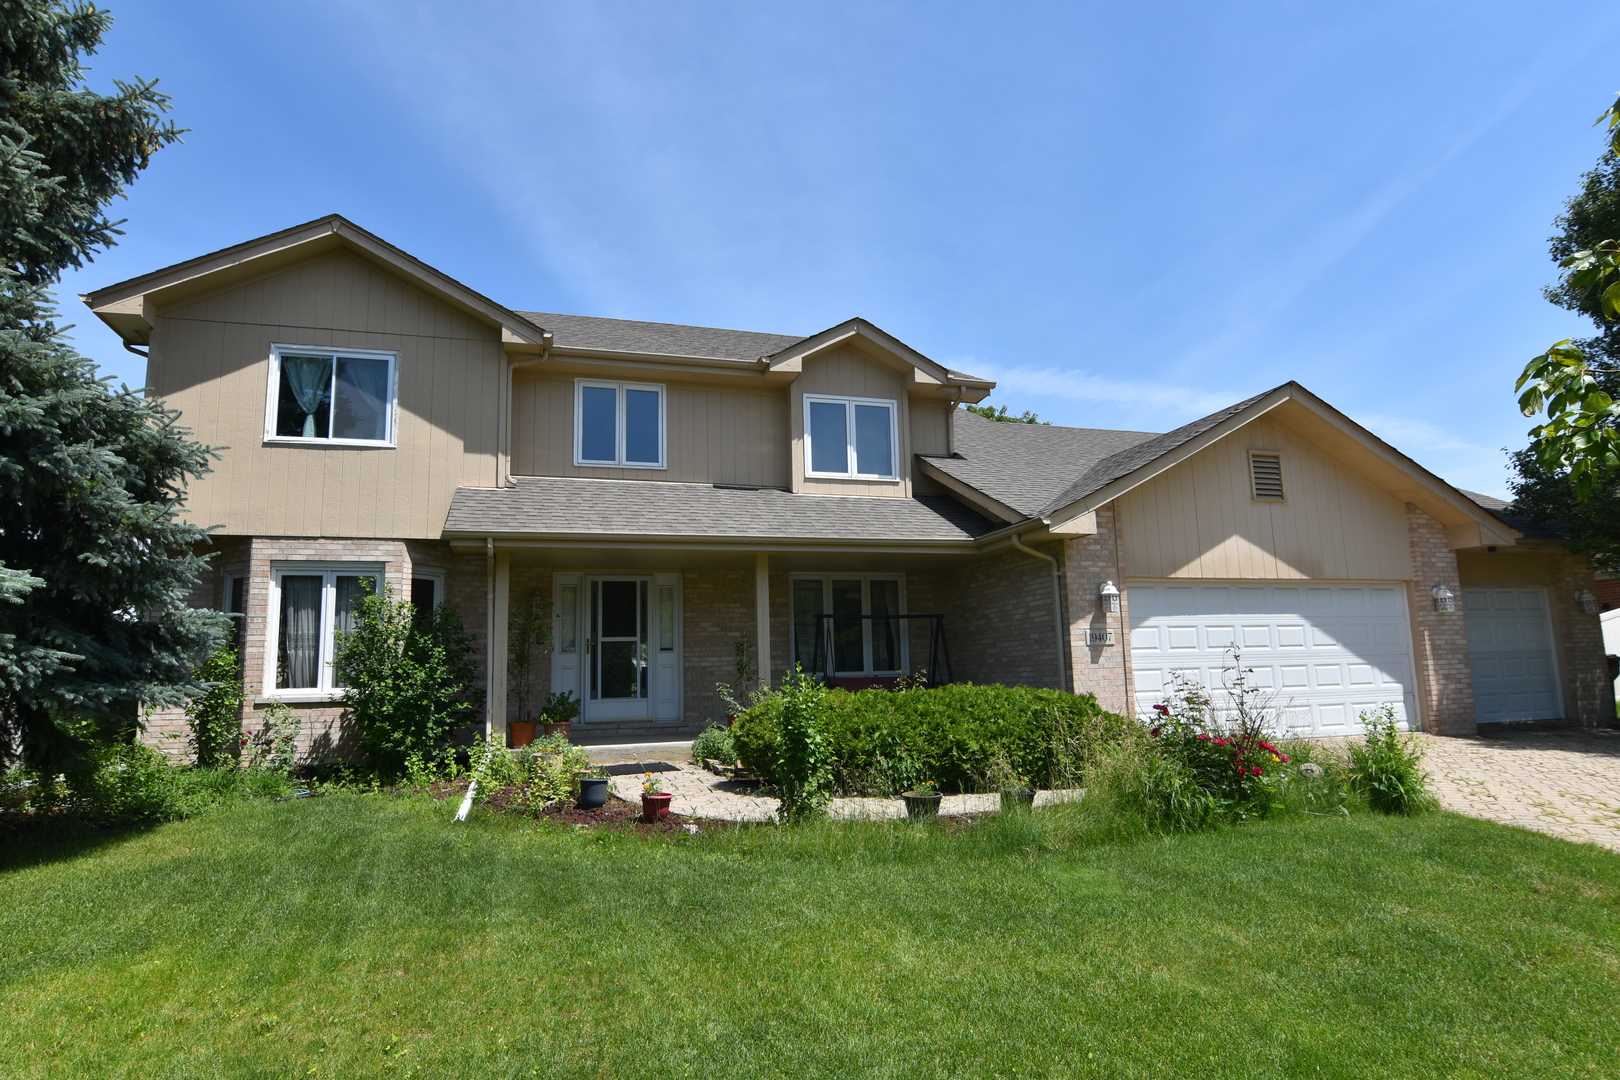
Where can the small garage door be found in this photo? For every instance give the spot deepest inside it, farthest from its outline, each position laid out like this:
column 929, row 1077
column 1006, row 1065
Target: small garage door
column 1330, row 652
column 1510, row 652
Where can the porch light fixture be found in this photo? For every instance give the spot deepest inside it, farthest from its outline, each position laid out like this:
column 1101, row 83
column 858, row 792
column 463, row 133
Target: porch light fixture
column 1588, row 601
column 1444, row 599
column 1109, row 596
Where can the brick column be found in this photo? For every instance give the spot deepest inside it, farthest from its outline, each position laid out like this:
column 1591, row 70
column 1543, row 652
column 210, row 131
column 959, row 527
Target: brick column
column 1100, row 670
column 1588, row 693
column 1440, row 638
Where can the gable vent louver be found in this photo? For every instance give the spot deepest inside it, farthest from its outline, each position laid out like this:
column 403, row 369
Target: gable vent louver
column 1265, row 471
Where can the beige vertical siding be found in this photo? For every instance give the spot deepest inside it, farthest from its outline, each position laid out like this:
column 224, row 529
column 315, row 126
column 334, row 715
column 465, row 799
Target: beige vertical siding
column 846, row 373
column 930, row 432
column 1199, row 519
column 716, row 435
column 210, row 360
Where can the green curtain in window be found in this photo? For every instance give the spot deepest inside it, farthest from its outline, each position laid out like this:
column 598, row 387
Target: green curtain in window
column 310, row 379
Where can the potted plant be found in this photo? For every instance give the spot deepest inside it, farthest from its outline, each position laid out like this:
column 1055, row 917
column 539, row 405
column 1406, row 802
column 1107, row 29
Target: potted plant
column 1018, row 796
column 654, row 801
column 593, row 788
column 923, row 800
column 558, row 715
column 528, row 630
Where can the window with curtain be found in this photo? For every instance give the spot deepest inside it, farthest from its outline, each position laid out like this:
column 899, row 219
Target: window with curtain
column 333, row 396
column 312, row 603
column 863, row 636
column 619, row 424
column 853, row 437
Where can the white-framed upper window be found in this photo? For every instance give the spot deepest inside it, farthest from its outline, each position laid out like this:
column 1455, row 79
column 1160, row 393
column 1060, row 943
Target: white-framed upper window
column 851, row 437
column 619, row 423
column 308, row 602
column 343, row 396
column 862, row 636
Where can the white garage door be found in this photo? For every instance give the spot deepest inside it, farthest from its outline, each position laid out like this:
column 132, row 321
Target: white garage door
column 1329, row 652
column 1510, row 652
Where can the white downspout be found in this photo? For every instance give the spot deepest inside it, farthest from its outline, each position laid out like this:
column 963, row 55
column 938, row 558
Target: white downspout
column 1057, row 609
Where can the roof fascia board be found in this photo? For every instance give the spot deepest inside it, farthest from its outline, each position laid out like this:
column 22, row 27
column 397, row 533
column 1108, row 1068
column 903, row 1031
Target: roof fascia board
column 792, row 358
column 474, row 540
column 321, row 234
column 975, row 498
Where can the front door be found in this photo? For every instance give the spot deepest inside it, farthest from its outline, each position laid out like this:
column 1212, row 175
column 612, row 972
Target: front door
column 617, row 671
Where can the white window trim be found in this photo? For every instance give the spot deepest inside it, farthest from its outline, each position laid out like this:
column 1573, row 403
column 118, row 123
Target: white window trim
column 272, row 642
column 620, row 432
column 849, row 404
column 433, row 574
column 866, row 603
column 272, row 397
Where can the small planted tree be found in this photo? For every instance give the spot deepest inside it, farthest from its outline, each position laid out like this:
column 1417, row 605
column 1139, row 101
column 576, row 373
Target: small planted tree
column 216, row 714
column 804, row 756
column 408, row 678
column 528, row 632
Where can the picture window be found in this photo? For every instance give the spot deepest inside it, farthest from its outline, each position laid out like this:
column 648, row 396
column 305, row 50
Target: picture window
column 850, row 437
column 619, row 424
column 319, row 395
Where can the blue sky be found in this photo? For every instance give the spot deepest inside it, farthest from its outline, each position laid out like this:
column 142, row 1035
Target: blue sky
column 1129, row 214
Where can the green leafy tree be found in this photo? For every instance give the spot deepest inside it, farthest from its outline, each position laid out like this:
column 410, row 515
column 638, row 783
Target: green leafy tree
column 1576, row 383
column 216, row 714
column 92, row 479
column 409, row 677
column 804, row 756
column 989, row 412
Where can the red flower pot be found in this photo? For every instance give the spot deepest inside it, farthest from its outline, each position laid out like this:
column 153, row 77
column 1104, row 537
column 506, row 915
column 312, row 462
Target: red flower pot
column 520, row 732
column 564, row 728
column 654, row 808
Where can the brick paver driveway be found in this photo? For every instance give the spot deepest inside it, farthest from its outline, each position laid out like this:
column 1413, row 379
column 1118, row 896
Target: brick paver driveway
column 1563, row 782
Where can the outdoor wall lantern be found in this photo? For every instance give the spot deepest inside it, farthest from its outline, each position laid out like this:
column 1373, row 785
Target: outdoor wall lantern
column 1109, row 597
column 1588, row 601
column 1444, row 599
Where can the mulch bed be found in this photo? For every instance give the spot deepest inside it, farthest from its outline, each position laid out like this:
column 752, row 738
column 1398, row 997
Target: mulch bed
column 616, row 814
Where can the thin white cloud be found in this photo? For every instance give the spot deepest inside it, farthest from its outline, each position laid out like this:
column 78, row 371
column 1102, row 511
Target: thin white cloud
column 1160, row 403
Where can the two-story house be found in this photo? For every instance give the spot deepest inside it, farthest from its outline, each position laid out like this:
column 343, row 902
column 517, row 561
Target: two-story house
column 670, row 490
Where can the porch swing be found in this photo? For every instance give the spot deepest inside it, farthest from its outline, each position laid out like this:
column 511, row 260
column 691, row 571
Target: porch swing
column 823, row 657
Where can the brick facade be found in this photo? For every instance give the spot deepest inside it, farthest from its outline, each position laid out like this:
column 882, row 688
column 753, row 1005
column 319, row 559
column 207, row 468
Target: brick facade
column 1578, row 637
column 999, row 623
column 322, row 735
column 1439, row 638
column 1101, row 670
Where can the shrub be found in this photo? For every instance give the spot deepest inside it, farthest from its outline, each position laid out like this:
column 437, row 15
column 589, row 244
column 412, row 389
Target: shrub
column 274, row 747
column 126, row 782
column 1385, row 768
column 1229, row 756
column 715, row 744
column 883, row 742
column 409, row 677
column 216, row 715
column 802, row 765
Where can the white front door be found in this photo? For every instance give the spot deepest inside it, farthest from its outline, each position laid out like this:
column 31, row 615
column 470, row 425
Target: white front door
column 1328, row 652
column 618, row 644
column 1510, row 653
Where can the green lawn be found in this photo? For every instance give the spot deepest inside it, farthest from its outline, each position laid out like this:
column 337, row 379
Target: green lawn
column 356, row 936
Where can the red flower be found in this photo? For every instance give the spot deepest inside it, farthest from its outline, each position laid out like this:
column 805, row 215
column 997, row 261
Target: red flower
column 1204, row 737
column 1154, row 733
column 1284, row 758
column 1165, row 709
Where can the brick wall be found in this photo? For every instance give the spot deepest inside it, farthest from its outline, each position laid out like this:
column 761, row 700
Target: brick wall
column 999, row 622
column 1439, row 638
column 719, row 609
column 1588, row 690
column 323, row 735
column 1100, row 670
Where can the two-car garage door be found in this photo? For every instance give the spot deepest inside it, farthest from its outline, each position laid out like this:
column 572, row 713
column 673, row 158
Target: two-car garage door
column 1328, row 651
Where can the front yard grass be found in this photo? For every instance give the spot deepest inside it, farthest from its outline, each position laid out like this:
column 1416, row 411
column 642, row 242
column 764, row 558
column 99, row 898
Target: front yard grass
column 356, row 936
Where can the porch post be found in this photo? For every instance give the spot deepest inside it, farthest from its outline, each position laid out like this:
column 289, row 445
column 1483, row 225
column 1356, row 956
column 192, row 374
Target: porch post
column 762, row 614
column 497, row 643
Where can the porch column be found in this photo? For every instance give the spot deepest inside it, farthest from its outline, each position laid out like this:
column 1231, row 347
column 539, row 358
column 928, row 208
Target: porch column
column 497, row 643
column 762, row 614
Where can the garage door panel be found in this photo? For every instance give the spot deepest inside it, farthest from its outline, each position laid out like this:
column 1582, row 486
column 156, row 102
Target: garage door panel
column 1328, row 652
column 1511, row 655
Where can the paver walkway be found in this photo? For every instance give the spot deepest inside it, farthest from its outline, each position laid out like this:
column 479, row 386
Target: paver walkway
column 701, row 794
column 1566, row 783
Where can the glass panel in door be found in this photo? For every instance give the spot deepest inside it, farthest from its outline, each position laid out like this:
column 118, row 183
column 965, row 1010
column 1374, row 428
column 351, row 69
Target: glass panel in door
column 619, row 640
column 849, row 638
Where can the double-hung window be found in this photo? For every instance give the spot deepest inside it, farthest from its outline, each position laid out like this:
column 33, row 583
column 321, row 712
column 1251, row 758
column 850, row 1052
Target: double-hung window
column 850, row 437
column 331, row 396
column 308, row 604
column 862, row 637
column 619, row 423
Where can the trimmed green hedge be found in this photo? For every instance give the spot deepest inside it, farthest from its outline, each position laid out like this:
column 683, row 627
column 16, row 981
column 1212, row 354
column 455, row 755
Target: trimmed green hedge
column 885, row 742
